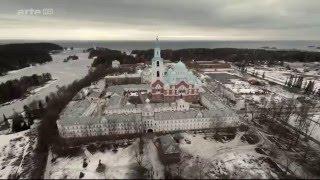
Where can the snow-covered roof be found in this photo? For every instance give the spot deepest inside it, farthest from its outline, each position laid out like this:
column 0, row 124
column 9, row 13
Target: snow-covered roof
column 182, row 115
column 76, row 113
column 168, row 145
column 134, row 117
column 115, row 101
column 119, row 89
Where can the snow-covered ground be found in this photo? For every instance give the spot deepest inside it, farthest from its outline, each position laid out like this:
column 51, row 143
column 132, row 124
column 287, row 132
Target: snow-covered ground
column 280, row 75
column 119, row 165
column 207, row 158
column 152, row 154
column 16, row 153
column 243, row 87
column 64, row 73
column 314, row 128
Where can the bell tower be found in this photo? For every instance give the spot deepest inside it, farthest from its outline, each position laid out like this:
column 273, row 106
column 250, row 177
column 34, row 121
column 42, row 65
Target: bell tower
column 157, row 50
column 157, row 63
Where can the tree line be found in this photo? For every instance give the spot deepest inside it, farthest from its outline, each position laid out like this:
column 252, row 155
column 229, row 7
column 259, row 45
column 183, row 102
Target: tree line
column 239, row 56
column 295, row 84
column 106, row 56
column 246, row 56
column 291, row 125
column 15, row 89
column 17, row 56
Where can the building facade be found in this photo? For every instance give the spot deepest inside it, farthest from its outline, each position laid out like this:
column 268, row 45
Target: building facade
column 78, row 119
column 171, row 83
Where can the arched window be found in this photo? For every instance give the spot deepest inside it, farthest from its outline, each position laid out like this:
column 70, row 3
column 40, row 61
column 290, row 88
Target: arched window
column 158, row 64
column 158, row 74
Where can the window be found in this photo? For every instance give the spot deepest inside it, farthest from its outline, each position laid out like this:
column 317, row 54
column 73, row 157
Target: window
column 158, row 74
column 158, row 64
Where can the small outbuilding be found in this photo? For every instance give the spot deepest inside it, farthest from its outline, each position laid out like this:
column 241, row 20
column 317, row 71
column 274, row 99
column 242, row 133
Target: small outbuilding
column 168, row 149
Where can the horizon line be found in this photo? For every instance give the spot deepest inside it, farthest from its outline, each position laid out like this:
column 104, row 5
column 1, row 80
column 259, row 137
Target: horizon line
column 133, row 40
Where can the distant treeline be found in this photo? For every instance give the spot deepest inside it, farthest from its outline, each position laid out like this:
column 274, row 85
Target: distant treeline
column 254, row 56
column 15, row 89
column 106, row 56
column 17, row 56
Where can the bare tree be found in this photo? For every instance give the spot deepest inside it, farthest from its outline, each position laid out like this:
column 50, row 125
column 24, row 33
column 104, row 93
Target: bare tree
column 288, row 164
column 138, row 157
column 200, row 168
column 288, row 110
column 301, row 123
column 138, row 125
column 216, row 124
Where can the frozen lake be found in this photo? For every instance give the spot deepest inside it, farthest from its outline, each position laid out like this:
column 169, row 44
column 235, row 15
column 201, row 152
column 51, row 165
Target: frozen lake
column 64, row 73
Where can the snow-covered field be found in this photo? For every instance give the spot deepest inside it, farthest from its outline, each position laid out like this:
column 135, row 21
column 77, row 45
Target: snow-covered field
column 315, row 127
column 16, row 154
column 119, row 165
column 207, row 158
column 204, row 158
column 243, row 87
column 280, row 75
column 64, row 73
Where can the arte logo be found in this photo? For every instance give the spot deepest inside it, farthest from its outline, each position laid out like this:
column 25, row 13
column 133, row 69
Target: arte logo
column 36, row 12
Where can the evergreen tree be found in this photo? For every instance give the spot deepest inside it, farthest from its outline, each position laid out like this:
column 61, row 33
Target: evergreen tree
column 318, row 92
column 40, row 105
column 41, row 108
column 294, row 82
column 29, row 114
column 289, row 83
column 5, row 119
column 298, row 83
column 309, row 87
column 17, row 122
column 47, row 99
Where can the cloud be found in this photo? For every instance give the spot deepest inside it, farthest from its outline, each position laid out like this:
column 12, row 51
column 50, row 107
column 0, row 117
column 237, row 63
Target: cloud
column 171, row 19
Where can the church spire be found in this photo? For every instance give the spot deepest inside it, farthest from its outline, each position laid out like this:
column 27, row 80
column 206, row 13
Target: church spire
column 157, row 50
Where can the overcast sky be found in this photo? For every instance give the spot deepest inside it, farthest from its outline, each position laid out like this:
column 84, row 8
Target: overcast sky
column 170, row 19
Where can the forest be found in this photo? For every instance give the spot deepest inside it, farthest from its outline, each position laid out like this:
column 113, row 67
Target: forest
column 15, row 89
column 245, row 56
column 17, row 56
column 254, row 56
column 106, row 56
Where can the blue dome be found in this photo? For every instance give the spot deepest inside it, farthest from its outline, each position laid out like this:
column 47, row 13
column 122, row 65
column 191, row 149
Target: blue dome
column 180, row 73
column 180, row 67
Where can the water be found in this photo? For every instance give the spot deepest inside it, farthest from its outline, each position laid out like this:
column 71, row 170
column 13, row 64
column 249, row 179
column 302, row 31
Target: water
column 131, row 45
column 63, row 73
